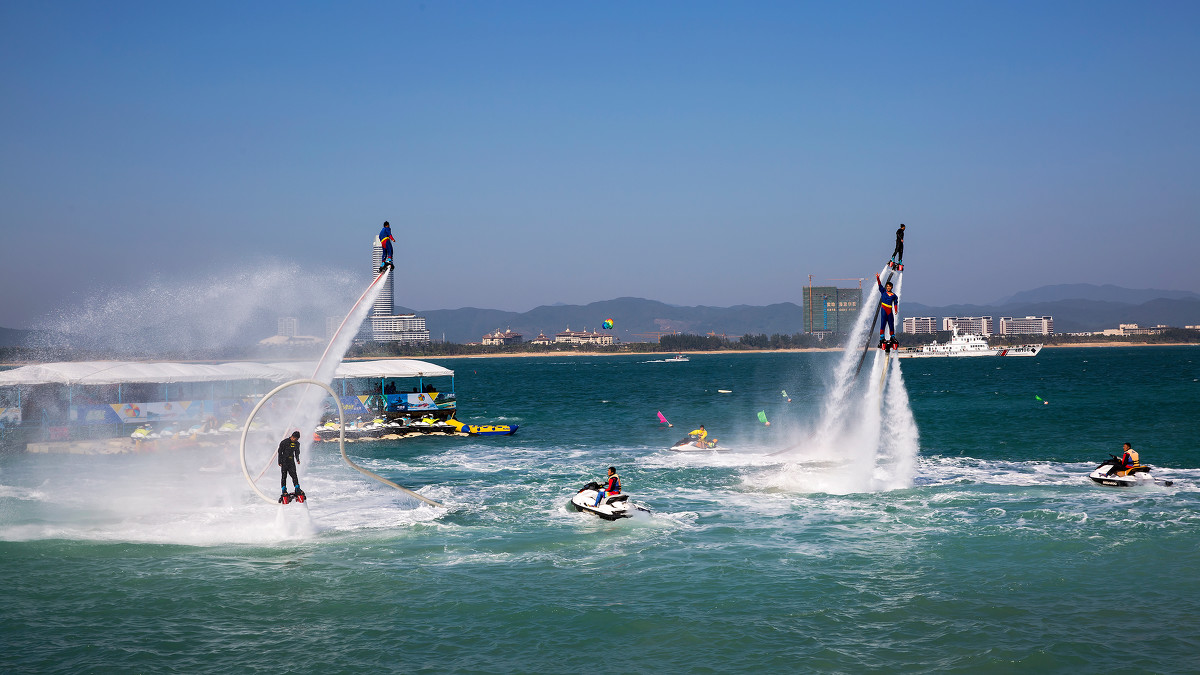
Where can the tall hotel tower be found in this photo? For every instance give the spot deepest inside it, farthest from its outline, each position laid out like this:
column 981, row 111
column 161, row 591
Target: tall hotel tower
column 386, row 325
column 383, row 304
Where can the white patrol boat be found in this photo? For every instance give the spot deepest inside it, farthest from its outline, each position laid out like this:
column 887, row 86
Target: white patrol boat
column 966, row 345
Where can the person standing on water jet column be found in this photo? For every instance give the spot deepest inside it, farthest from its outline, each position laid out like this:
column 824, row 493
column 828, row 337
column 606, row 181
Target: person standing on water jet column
column 889, row 305
column 897, row 261
column 289, row 454
column 385, row 240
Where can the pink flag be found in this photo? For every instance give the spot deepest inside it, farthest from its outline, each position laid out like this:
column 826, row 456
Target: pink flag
column 661, row 418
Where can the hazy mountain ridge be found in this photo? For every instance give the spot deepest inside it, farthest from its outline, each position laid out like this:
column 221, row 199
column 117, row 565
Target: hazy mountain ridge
column 1104, row 293
column 639, row 319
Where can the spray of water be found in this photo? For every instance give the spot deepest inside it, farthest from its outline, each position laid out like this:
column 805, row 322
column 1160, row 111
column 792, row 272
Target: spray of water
column 303, row 408
column 206, row 317
column 865, row 438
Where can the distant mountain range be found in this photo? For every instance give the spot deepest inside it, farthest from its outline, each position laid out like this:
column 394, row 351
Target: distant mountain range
column 1075, row 307
column 13, row 337
column 635, row 319
column 1105, row 293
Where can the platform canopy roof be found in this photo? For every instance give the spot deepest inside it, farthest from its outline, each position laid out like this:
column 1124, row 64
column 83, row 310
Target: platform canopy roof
column 123, row 372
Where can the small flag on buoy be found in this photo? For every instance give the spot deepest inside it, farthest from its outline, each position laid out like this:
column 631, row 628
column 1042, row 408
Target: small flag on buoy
column 1044, row 401
column 663, row 419
column 784, row 392
column 762, row 417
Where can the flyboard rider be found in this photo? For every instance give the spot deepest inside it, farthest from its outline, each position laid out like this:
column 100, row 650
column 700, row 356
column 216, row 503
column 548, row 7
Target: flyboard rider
column 385, row 240
column 889, row 305
column 897, row 261
column 289, row 454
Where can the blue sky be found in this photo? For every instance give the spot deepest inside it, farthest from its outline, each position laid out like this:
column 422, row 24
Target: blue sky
column 532, row 153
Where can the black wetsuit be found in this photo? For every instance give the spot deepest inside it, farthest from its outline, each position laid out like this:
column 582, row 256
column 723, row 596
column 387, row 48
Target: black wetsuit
column 898, row 254
column 289, row 454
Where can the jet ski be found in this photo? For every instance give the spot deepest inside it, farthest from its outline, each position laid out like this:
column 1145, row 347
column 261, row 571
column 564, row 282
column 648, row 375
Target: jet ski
column 1138, row 474
column 612, row 507
column 692, row 443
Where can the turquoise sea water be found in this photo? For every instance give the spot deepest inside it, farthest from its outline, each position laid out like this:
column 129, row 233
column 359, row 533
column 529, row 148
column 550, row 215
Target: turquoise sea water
column 996, row 555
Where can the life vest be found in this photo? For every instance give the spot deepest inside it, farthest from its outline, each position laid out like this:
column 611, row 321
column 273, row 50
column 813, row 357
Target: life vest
column 1130, row 458
column 614, row 485
column 699, row 432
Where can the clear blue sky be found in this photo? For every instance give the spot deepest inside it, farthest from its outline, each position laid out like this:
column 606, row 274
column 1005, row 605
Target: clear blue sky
column 532, row 153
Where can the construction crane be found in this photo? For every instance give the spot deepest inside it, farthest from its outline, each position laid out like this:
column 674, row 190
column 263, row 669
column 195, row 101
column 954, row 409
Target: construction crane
column 859, row 280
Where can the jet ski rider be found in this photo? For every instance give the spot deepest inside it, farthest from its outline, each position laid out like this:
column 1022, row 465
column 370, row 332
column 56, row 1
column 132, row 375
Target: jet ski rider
column 701, row 434
column 612, row 487
column 1129, row 459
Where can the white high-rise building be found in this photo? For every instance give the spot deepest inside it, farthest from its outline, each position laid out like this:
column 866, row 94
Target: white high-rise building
column 383, row 304
column 1029, row 325
column 288, row 325
column 917, row 325
column 386, row 325
column 970, row 325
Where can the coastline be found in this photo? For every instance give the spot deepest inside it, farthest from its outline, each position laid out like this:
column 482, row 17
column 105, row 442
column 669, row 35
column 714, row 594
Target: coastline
column 1088, row 345
column 740, row 351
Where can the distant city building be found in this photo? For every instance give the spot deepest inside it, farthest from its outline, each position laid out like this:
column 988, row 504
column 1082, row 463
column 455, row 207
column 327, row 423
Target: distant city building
column 918, row 325
column 541, row 339
column 506, row 338
column 286, row 335
column 405, row 328
column 287, row 326
column 828, row 309
column 1134, row 329
column 970, row 325
column 583, row 337
column 1029, row 325
column 386, row 325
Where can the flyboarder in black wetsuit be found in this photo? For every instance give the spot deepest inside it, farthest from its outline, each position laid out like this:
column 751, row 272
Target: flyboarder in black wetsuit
column 289, row 454
column 897, row 261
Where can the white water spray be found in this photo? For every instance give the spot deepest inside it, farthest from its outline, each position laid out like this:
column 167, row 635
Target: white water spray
column 866, row 431
column 306, row 407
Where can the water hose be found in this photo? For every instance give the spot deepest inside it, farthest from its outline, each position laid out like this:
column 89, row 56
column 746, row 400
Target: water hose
column 341, row 442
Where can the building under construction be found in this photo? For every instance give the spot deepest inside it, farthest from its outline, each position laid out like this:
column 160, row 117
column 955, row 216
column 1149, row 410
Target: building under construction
column 828, row 309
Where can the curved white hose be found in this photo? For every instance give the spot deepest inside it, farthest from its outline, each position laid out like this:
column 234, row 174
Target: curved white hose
column 341, row 441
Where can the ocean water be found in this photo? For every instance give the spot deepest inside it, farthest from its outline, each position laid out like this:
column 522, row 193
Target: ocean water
column 949, row 527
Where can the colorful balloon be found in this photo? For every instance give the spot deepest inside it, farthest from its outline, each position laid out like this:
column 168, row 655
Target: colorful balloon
column 608, row 324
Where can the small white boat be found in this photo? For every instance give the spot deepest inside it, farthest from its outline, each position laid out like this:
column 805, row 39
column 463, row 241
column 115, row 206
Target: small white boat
column 678, row 358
